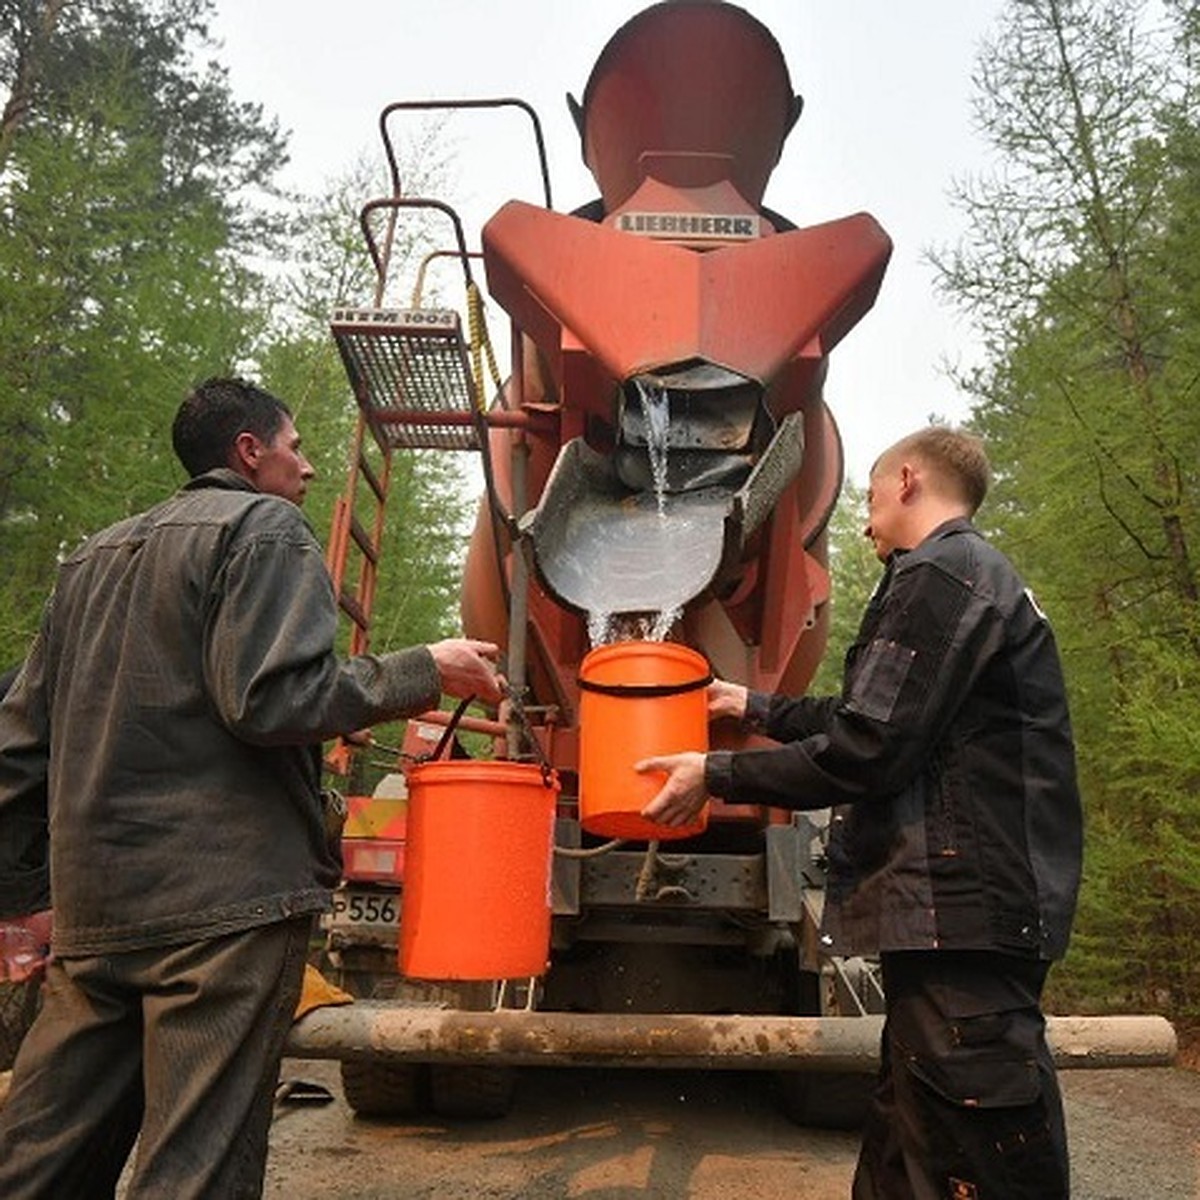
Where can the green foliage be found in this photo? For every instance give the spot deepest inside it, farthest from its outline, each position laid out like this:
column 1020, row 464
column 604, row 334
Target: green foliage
column 1082, row 268
column 124, row 174
column 854, row 572
column 141, row 220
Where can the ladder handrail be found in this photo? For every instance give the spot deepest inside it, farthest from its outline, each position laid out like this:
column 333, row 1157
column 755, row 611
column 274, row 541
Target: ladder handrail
column 422, row 269
column 435, row 105
column 395, row 203
column 451, row 105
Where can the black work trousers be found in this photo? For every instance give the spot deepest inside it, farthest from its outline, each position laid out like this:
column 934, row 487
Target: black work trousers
column 967, row 1105
column 178, row 1044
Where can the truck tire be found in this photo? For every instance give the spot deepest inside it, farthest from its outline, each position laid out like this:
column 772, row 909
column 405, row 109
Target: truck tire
column 384, row 1089
column 825, row 1099
column 18, row 1007
column 472, row 1092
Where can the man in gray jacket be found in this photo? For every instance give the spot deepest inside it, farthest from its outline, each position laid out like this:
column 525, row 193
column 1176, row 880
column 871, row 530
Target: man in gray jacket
column 175, row 700
column 956, row 838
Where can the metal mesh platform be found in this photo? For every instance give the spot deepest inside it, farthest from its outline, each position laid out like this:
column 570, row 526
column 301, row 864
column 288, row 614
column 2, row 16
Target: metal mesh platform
column 410, row 375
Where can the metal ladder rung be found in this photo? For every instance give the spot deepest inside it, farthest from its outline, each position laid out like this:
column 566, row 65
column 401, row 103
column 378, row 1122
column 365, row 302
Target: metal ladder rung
column 373, row 481
column 362, row 539
column 410, row 375
column 351, row 607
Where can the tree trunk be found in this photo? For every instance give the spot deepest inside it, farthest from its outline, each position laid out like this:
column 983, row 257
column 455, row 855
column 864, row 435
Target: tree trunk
column 30, row 57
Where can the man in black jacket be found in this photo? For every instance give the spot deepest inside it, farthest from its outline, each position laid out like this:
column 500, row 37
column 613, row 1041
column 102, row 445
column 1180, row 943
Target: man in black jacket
column 174, row 701
column 956, row 838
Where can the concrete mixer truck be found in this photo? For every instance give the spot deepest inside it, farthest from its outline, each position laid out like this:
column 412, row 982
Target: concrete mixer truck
column 660, row 467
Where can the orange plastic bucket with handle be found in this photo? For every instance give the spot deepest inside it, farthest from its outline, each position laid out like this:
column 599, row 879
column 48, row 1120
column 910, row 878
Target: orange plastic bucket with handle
column 476, row 899
column 637, row 700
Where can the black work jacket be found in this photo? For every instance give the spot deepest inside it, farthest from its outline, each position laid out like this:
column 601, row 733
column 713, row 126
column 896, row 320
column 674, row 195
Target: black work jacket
column 174, row 702
column 948, row 759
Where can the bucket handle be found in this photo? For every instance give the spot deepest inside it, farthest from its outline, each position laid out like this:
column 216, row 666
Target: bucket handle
column 451, row 726
column 644, row 691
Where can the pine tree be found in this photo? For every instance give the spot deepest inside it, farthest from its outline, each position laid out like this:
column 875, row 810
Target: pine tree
column 1080, row 268
column 128, row 184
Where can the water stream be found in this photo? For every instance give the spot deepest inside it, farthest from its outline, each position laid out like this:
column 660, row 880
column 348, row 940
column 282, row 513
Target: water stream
column 656, row 411
column 659, row 538
column 606, row 628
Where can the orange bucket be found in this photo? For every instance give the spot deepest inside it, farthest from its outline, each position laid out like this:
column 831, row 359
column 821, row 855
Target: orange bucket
column 637, row 700
column 476, row 899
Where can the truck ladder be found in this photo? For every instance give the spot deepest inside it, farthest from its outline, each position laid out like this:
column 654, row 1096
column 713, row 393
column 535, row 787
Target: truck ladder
column 349, row 535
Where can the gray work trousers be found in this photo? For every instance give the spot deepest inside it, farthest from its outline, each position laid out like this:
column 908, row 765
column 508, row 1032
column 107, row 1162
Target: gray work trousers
column 180, row 1044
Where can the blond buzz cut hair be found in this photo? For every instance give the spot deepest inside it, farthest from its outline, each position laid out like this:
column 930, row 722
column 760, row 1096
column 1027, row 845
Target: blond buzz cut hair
column 956, row 458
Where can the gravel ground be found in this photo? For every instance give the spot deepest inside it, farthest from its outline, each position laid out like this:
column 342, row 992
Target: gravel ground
column 715, row 1135
column 605, row 1135
column 611, row 1135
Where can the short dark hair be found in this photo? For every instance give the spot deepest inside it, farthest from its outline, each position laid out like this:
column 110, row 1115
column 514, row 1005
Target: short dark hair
column 214, row 413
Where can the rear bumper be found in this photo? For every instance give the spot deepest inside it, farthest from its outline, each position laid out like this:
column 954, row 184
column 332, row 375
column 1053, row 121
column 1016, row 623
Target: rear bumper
column 383, row 1030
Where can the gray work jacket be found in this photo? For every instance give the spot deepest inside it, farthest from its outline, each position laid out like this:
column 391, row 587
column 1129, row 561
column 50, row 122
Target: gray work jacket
column 173, row 702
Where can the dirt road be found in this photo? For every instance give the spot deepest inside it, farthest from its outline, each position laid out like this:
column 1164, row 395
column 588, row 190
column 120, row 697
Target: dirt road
column 608, row 1135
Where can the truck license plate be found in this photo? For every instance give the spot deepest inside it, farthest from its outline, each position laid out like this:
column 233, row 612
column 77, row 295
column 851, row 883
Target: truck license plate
column 353, row 906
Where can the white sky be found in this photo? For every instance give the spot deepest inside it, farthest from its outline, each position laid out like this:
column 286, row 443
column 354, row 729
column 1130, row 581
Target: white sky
column 886, row 127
